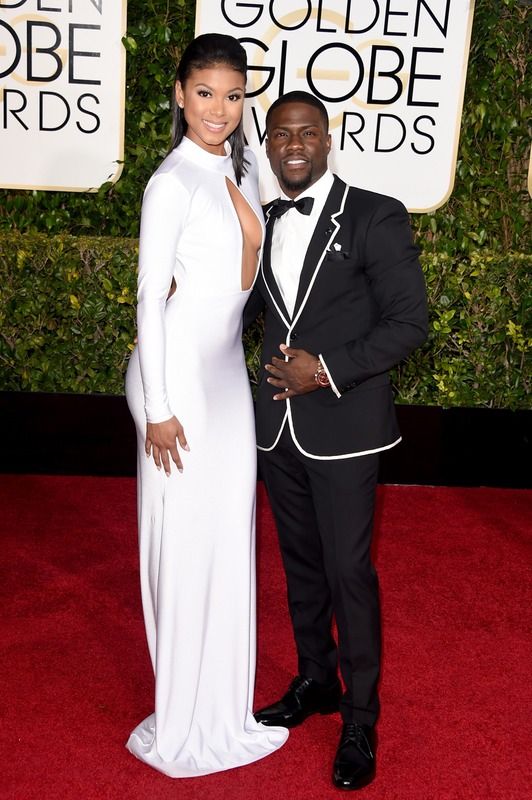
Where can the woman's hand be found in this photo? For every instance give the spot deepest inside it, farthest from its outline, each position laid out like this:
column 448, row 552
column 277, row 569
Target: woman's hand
column 161, row 442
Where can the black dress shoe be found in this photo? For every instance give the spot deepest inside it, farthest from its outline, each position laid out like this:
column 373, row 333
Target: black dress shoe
column 354, row 765
column 304, row 697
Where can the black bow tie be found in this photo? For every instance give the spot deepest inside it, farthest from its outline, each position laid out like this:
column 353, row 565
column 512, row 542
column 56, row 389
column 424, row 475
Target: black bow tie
column 280, row 207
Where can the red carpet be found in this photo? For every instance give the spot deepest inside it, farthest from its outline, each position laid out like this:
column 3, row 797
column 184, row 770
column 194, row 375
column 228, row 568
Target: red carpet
column 454, row 567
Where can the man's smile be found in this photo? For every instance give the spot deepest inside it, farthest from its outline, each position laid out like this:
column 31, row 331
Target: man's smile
column 295, row 162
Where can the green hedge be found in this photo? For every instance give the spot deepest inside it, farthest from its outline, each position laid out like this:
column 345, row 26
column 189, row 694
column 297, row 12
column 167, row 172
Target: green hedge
column 67, row 322
column 66, row 312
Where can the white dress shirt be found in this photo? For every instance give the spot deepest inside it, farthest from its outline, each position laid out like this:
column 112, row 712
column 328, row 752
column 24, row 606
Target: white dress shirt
column 291, row 237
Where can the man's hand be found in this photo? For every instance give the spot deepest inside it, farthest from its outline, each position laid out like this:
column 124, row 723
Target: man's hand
column 161, row 442
column 295, row 376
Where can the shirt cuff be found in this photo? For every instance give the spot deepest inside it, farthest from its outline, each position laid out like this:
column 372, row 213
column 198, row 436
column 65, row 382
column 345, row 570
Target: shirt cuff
column 333, row 385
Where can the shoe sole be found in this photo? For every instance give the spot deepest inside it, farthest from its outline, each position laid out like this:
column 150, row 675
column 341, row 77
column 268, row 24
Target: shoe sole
column 360, row 785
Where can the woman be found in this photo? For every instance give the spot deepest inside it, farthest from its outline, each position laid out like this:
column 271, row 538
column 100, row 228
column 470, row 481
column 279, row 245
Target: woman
column 187, row 389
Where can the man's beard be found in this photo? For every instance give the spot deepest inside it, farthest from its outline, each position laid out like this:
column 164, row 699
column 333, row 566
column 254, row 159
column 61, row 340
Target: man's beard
column 302, row 183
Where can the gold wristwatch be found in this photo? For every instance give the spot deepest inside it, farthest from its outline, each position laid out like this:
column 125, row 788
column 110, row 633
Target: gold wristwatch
column 320, row 376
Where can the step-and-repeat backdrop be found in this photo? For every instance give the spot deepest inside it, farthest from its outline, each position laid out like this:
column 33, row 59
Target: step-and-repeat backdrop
column 62, row 91
column 390, row 72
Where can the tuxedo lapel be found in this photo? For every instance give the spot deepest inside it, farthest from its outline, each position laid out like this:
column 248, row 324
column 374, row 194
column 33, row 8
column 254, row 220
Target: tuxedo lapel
column 268, row 276
column 322, row 238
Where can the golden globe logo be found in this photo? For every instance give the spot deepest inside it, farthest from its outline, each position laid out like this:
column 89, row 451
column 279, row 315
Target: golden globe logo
column 390, row 72
column 62, row 83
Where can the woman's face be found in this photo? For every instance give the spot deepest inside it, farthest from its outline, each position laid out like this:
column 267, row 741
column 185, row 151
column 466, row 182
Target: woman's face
column 212, row 100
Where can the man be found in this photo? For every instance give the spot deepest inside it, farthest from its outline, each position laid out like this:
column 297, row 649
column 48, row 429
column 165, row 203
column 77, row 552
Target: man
column 344, row 301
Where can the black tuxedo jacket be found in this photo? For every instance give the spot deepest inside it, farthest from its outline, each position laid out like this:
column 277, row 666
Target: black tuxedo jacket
column 361, row 305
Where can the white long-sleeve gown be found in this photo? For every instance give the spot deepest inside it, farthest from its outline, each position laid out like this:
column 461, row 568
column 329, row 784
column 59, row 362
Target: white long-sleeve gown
column 196, row 529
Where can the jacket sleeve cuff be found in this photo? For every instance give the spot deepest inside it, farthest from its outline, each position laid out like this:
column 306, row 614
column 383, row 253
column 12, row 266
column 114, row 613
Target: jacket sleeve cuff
column 331, row 380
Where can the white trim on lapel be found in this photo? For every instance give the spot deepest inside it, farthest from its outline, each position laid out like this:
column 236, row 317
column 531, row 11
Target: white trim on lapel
column 320, row 260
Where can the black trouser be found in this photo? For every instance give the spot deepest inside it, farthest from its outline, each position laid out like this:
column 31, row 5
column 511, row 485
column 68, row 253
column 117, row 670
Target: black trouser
column 324, row 515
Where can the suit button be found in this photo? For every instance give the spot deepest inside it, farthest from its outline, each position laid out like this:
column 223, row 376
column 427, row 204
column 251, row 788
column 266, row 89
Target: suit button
column 293, row 336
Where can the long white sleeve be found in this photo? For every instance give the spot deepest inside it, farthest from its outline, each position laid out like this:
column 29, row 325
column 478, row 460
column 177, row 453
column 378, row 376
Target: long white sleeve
column 164, row 210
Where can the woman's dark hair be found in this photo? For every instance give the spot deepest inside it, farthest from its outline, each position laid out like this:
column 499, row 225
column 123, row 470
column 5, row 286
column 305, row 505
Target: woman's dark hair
column 210, row 50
